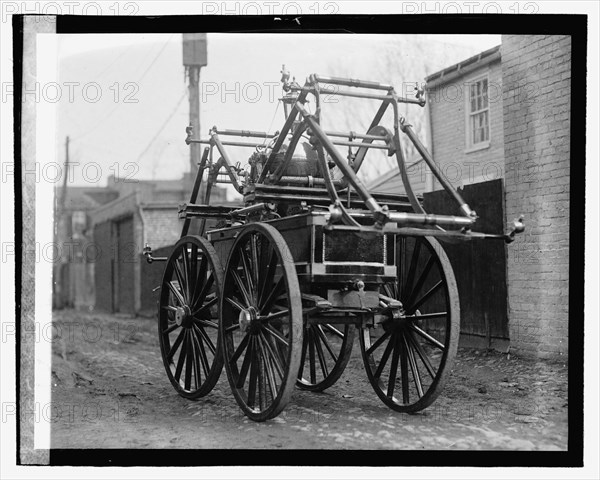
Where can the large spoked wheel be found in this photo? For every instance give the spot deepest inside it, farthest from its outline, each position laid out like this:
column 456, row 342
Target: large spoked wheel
column 261, row 321
column 409, row 355
column 188, row 317
column 326, row 350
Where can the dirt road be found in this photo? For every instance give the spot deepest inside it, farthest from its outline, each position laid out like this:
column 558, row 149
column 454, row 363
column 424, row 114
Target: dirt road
column 110, row 390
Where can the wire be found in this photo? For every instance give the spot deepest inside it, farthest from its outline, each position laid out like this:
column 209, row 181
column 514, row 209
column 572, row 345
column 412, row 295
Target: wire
column 121, row 104
column 162, row 127
column 156, row 58
column 104, row 70
column 271, row 125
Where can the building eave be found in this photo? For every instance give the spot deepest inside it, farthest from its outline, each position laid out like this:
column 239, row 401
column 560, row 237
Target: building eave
column 460, row 69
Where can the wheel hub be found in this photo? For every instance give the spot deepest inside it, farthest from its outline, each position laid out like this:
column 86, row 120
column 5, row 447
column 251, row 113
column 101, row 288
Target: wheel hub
column 247, row 318
column 182, row 315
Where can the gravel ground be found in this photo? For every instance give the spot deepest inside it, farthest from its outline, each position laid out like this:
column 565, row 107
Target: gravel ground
column 110, row 390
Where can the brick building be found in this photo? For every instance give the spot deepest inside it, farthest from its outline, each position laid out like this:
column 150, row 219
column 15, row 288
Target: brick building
column 145, row 212
column 500, row 122
column 536, row 97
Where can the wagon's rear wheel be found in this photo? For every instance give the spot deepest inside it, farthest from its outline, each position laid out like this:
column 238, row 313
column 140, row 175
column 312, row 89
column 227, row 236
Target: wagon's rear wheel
column 261, row 321
column 409, row 356
column 326, row 350
column 188, row 317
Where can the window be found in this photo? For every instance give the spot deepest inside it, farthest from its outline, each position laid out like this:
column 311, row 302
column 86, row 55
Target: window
column 478, row 114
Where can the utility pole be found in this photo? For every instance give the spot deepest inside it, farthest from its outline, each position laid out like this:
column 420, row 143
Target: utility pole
column 194, row 82
column 194, row 58
column 63, row 197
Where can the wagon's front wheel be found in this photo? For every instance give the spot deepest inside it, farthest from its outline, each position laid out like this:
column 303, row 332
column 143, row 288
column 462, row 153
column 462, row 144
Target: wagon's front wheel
column 188, row 317
column 409, row 354
column 261, row 321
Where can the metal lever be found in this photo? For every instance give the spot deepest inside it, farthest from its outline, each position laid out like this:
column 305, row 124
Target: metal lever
column 518, row 227
column 190, row 131
column 147, row 252
column 420, row 95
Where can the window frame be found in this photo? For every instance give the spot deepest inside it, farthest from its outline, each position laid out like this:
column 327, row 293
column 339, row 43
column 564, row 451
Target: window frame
column 469, row 145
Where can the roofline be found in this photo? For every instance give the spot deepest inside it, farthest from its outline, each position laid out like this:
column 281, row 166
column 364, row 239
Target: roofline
column 391, row 173
column 450, row 73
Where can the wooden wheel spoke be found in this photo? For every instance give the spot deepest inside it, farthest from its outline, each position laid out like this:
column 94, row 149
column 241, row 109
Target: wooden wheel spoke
column 420, row 281
column 193, row 271
column 206, row 338
column 428, row 337
column 261, row 381
column 403, row 370
column 242, row 288
column 385, row 356
column 176, row 293
column 413, row 366
column 205, row 323
column 181, row 281
column 394, row 367
column 253, row 376
column 171, row 328
column 240, row 349
column 377, row 343
column 274, row 357
column 267, row 278
column 200, row 356
column 232, row 328
column 412, row 269
column 320, row 354
column 200, row 296
column 311, row 357
column 202, row 281
column 427, row 316
column 422, row 355
column 410, row 310
column 187, row 274
column 325, row 342
column 234, row 303
column 334, row 330
column 206, row 306
column 273, row 295
column 182, row 356
column 275, row 316
column 248, row 275
column 276, row 335
column 255, row 264
column 271, row 377
column 176, row 344
column 169, row 308
column 246, row 362
column 189, row 362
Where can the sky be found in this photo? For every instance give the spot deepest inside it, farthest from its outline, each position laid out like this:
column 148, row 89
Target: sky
column 73, row 45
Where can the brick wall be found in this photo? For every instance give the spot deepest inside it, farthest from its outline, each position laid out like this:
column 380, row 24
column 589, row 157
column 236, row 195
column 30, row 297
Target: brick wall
column 536, row 74
column 162, row 225
column 447, row 102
